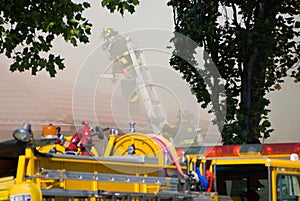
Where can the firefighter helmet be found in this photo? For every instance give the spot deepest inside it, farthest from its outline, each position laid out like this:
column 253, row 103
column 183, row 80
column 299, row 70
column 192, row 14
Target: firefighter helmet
column 108, row 32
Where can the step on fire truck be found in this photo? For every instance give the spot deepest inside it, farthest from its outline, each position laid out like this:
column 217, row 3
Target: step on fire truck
column 138, row 166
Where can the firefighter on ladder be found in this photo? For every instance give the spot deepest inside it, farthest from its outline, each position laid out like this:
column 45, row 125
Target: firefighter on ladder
column 115, row 45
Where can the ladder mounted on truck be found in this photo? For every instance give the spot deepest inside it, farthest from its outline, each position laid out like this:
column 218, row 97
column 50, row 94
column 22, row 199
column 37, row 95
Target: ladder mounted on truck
column 118, row 178
column 147, row 91
column 61, row 175
column 170, row 193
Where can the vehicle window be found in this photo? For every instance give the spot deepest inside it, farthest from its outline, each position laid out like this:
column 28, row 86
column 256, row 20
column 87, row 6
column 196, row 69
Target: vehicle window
column 243, row 182
column 239, row 189
column 288, row 187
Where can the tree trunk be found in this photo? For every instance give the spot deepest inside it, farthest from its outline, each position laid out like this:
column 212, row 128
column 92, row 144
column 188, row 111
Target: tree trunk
column 246, row 91
column 253, row 78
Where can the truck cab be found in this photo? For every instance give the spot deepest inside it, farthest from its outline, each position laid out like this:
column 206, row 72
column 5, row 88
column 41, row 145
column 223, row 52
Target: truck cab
column 251, row 172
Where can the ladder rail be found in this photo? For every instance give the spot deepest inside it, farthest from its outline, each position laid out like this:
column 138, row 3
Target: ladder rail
column 119, row 178
column 164, row 195
column 148, row 93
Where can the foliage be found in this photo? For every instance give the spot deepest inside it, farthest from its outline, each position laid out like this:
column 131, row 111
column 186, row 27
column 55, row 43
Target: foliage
column 252, row 43
column 28, row 29
column 121, row 6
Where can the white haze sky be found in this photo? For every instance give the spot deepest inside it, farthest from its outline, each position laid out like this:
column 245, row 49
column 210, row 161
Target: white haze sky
column 155, row 14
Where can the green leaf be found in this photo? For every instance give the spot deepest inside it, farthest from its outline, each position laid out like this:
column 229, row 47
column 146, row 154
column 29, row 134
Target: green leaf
column 86, row 5
column 73, row 41
column 104, row 3
column 78, row 17
column 266, row 123
column 50, row 25
column 135, row 2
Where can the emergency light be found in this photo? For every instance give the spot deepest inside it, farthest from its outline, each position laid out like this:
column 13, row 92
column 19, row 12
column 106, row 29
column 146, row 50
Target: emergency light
column 243, row 149
column 281, row 148
column 23, row 134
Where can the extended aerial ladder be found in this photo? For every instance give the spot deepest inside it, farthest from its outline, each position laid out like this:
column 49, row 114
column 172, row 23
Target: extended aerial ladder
column 145, row 87
column 147, row 91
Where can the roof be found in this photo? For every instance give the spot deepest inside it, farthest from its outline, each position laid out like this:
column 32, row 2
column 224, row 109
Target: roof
column 32, row 99
column 40, row 100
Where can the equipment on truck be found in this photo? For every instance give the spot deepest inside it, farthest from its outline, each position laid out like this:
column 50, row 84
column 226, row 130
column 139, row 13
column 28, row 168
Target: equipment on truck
column 138, row 166
column 82, row 141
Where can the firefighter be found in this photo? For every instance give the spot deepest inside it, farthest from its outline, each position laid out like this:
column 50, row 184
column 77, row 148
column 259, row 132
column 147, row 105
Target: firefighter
column 183, row 132
column 115, row 46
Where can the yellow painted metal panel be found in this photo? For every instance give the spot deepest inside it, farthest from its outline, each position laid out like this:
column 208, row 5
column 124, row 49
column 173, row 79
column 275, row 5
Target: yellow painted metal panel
column 285, row 164
column 5, row 184
column 26, row 189
column 240, row 160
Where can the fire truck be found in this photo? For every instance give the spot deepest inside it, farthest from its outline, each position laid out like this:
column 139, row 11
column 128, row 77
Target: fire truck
column 138, row 166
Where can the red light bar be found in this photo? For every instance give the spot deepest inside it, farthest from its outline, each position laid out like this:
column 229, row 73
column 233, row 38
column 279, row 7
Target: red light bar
column 280, row 148
column 227, row 150
column 239, row 150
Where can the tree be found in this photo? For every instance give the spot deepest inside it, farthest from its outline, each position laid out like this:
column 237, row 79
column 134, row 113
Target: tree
column 253, row 44
column 120, row 5
column 28, row 28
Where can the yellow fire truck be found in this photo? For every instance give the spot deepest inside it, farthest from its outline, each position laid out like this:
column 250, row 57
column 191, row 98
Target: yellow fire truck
column 138, row 166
